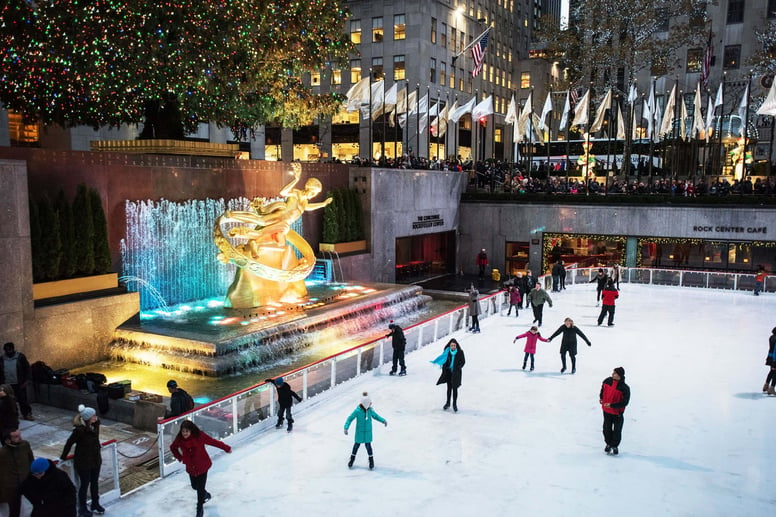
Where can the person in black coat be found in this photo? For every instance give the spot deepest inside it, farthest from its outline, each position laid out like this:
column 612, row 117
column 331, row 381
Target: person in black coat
column 284, row 402
column 614, row 397
column 556, row 269
column 19, row 376
column 562, row 276
column 770, row 381
column 601, row 278
column 530, row 283
column 87, row 459
column 50, row 491
column 399, row 342
column 569, row 343
column 452, row 361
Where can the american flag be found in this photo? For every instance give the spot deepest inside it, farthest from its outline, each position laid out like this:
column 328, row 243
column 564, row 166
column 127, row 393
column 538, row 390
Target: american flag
column 574, row 95
column 708, row 57
column 478, row 53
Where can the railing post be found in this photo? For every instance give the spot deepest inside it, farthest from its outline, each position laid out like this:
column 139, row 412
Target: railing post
column 304, row 385
column 160, row 448
column 436, row 329
column 333, row 373
column 358, row 362
column 735, row 282
column 235, row 420
column 681, row 278
column 420, row 337
column 115, row 461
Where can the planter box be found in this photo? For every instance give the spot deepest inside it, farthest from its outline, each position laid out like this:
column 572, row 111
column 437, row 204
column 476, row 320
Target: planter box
column 74, row 286
column 343, row 247
column 184, row 147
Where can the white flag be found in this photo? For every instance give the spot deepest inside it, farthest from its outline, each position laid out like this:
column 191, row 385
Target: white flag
column 651, row 110
column 452, row 109
column 601, row 113
column 697, row 116
column 668, row 113
column 564, row 119
column 718, row 101
column 511, row 117
column 386, row 104
column 463, row 110
column 580, row 112
column 439, row 123
column 683, row 121
column 769, row 105
column 378, row 89
column 545, row 111
column 620, row 124
column 358, row 95
column 633, row 95
column 743, row 106
column 483, row 109
column 709, row 118
column 525, row 115
column 411, row 103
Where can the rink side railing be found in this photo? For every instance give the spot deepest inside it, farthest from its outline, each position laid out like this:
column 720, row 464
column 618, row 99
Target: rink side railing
column 109, row 472
column 254, row 409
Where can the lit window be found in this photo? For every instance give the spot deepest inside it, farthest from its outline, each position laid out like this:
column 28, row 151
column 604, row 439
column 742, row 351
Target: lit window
column 336, row 76
column 525, row 80
column 377, row 68
column 355, row 31
column 399, row 27
column 732, row 57
column 433, row 30
column 399, row 68
column 315, row 78
column 355, row 70
column 377, row 29
column 694, row 59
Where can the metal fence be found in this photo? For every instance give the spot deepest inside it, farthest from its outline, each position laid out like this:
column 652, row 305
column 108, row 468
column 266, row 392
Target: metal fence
column 109, row 473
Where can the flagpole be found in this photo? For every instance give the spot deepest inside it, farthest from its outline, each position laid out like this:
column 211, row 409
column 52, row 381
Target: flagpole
column 638, row 172
column 382, row 144
column 530, row 134
column 455, row 140
column 567, row 163
column 608, row 148
column 587, row 140
column 470, row 45
column 417, row 121
column 371, row 153
column 628, row 144
column 720, row 145
column 447, row 114
column 439, row 98
column 706, row 139
column 549, row 133
column 676, row 129
column 427, row 130
column 651, row 139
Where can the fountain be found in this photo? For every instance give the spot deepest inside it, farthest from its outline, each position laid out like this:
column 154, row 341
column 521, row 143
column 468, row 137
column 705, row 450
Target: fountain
column 269, row 311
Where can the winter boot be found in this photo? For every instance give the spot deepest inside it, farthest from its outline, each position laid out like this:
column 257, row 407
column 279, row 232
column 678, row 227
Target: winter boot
column 615, row 452
column 455, row 407
column 523, row 365
column 352, row 459
column 771, row 391
column 371, row 462
column 447, row 405
column 765, row 388
column 392, row 372
column 279, row 424
column 607, row 449
column 290, row 427
column 84, row 512
column 403, row 371
column 96, row 508
column 207, row 498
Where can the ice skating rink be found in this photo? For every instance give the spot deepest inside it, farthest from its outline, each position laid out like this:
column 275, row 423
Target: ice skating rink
column 699, row 436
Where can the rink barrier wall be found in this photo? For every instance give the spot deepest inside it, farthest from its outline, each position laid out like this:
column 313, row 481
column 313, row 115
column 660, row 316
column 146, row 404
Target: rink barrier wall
column 248, row 412
column 109, row 472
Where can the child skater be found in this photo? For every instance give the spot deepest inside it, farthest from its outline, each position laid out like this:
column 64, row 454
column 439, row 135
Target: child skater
column 363, row 416
column 530, row 344
column 189, row 448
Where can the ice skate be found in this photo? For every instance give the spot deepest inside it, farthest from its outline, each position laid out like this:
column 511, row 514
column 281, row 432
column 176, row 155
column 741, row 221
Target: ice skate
column 615, row 452
column 607, row 449
column 403, row 372
column 765, row 388
column 97, row 509
column 371, row 462
column 352, row 459
column 771, row 391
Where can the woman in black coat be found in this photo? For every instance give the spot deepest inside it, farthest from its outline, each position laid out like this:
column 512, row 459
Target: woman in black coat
column 569, row 343
column 770, row 381
column 452, row 361
column 87, row 459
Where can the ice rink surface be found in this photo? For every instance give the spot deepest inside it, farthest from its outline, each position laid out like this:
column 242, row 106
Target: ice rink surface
column 699, row 436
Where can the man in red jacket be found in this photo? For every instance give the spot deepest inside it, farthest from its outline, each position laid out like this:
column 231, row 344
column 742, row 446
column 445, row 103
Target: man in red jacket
column 608, row 295
column 614, row 396
column 482, row 262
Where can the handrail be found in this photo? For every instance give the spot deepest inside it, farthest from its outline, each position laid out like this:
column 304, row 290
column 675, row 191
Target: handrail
column 109, row 477
column 252, row 409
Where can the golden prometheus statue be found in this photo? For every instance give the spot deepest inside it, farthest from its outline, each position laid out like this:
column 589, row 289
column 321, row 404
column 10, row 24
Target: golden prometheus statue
column 268, row 268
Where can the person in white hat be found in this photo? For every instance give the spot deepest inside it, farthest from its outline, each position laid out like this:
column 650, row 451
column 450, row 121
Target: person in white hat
column 87, row 458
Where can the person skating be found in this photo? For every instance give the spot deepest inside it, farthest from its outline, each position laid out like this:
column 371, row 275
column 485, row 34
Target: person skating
column 398, row 342
column 537, row 298
column 474, row 308
column 601, row 279
column 608, row 296
column 285, row 393
column 531, row 337
column 568, row 343
column 562, row 276
column 49, row 489
column 363, row 415
column 759, row 278
column 189, row 448
column 515, row 299
column 15, row 460
column 616, row 275
column 452, row 361
column 556, row 269
column 530, row 283
column 87, row 458
column 614, row 397
column 770, row 360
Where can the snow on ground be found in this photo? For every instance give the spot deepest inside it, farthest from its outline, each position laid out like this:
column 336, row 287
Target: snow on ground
column 699, row 435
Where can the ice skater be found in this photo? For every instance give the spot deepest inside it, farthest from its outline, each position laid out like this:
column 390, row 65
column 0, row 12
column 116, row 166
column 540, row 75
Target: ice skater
column 87, row 459
column 189, row 448
column 770, row 381
column 608, row 295
column 531, row 337
column 601, row 278
column 474, row 308
column 399, row 343
column 537, row 298
column 569, row 343
column 284, row 402
column 363, row 415
column 515, row 299
column 614, row 396
column 452, row 361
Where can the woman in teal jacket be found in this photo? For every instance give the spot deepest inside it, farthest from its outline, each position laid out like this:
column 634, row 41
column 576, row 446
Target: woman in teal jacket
column 363, row 416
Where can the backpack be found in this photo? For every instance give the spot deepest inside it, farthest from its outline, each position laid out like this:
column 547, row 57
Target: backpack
column 42, row 373
column 189, row 400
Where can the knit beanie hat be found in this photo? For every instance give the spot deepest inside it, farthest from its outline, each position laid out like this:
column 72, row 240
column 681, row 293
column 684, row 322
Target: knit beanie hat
column 39, row 466
column 365, row 400
column 279, row 381
column 86, row 412
column 620, row 371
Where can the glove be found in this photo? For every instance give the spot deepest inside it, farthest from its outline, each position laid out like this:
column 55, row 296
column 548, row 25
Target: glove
column 385, row 423
column 589, row 344
column 346, row 432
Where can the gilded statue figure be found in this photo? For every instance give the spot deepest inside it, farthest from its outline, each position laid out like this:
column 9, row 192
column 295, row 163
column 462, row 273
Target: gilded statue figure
column 269, row 269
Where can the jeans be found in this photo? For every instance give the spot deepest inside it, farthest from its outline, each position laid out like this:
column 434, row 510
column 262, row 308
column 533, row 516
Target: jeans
column 356, row 446
column 537, row 312
column 604, row 310
column 198, row 483
column 525, row 359
column 287, row 412
column 613, row 429
column 757, row 287
column 398, row 358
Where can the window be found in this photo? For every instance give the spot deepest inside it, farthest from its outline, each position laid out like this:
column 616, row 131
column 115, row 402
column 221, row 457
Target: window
column 735, row 12
column 377, row 68
column 432, row 71
column 336, row 76
column 771, row 10
column 525, row 79
column 355, row 70
column 433, row 30
column 442, row 73
column 443, row 35
column 461, row 42
column 453, row 42
column 399, row 27
column 661, row 15
column 452, row 77
column 694, row 60
column 377, row 29
column 732, row 57
column 355, row 31
column 399, row 68
column 315, row 78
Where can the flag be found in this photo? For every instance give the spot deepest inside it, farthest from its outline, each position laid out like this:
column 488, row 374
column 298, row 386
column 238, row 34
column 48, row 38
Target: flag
column 668, row 113
column 606, row 104
column 580, row 112
column 439, row 124
column 483, row 109
column 708, row 56
column 637, row 121
column 378, row 89
column 511, row 117
column 387, row 104
column 452, row 109
column 478, row 53
column 565, row 117
column 525, row 115
column 358, row 94
column 697, row 116
column 719, row 100
column 633, row 94
column 709, row 118
column 683, row 120
column 545, row 111
column 463, row 110
column 769, row 105
column 574, row 93
column 620, row 124
column 408, row 108
column 743, row 106
column 431, row 112
column 650, row 110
